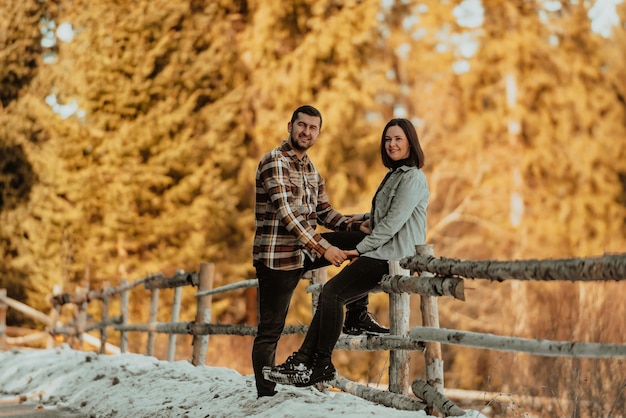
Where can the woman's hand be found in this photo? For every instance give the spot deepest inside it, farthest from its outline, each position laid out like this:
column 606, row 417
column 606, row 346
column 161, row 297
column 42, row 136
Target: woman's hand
column 352, row 255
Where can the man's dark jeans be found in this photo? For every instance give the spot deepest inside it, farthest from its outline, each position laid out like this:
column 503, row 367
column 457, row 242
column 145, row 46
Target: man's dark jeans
column 276, row 288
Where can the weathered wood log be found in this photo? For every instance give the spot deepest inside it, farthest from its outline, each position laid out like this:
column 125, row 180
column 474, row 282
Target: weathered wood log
column 433, row 360
column 433, row 397
column 124, row 315
column 152, row 317
column 243, row 330
column 160, row 327
column 124, row 285
column 104, row 331
column 546, row 348
column 171, row 341
column 110, row 321
column 53, row 316
column 345, row 342
column 316, row 286
column 20, row 399
column 424, row 286
column 399, row 313
column 18, row 331
column 180, row 278
column 232, row 286
column 377, row 343
column 25, row 339
column 317, row 277
column 80, row 315
column 60, row 299
column 67, row 331
column 390, row 399
column 203, row 314
column 193, row 328
column 27, row 310
column 604, row 268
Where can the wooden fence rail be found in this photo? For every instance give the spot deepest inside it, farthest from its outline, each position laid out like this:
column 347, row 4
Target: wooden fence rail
column 422, row 274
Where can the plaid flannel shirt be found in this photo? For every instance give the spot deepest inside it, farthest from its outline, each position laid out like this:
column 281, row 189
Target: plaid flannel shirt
column 291, row 201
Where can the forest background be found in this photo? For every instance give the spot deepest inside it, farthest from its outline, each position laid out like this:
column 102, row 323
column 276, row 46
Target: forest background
column 130, row 133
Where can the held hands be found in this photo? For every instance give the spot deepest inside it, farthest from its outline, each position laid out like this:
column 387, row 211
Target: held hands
column 337, row 256
column 352, row 255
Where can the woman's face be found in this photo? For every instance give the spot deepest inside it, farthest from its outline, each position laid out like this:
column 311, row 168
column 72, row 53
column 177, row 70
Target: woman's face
column 396, row 143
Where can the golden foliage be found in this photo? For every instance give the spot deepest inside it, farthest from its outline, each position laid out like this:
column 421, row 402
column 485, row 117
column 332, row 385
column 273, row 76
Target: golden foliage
column 525, row 152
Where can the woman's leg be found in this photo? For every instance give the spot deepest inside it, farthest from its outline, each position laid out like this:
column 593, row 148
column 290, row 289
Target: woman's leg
column 352, row 283
column 348, row 240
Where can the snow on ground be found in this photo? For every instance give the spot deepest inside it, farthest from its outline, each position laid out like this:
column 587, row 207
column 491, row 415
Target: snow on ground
column 135, row 385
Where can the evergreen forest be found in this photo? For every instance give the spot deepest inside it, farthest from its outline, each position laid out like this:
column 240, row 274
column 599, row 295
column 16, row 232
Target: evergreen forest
column 130, row 132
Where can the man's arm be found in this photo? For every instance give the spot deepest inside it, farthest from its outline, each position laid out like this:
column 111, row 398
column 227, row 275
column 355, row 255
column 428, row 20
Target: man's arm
column 326, row 215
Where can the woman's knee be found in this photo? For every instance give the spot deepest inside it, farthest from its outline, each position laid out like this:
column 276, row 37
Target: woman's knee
column 331, row 295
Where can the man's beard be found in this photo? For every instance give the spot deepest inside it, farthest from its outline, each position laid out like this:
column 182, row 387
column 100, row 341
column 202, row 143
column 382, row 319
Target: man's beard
column 296, row 145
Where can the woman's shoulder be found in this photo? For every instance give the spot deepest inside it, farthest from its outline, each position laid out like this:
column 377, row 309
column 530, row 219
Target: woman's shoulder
column 412, row 172
column 415, row 179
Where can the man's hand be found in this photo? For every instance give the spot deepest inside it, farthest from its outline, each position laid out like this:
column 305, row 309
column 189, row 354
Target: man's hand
column 335, row 256
column 358, row 217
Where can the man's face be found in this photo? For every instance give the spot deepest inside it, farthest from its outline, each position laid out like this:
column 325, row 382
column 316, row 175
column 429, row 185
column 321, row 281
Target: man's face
column 303, row 132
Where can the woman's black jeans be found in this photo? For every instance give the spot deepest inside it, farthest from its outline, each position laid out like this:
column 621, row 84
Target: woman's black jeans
column 276, row 288
column 352, row 283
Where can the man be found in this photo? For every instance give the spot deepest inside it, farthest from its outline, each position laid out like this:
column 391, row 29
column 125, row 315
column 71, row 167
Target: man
column 291, row 200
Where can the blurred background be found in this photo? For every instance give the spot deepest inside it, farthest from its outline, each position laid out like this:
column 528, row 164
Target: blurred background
column 130, row 133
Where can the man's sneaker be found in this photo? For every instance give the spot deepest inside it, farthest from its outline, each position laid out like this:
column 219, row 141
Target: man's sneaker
column 362, row 322
column 297, row 364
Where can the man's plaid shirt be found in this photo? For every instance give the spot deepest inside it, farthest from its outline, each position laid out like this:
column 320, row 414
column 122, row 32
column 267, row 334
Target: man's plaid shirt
column 291, row 201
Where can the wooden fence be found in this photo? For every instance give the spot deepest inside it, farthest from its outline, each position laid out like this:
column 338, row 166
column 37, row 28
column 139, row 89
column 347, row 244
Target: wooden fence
column 424, row 274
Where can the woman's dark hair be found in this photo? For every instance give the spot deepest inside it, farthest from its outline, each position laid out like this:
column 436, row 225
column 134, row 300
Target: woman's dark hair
column 416, row 155
column 307, row 110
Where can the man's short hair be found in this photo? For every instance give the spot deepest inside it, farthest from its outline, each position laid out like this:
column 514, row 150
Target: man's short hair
column 307, row 110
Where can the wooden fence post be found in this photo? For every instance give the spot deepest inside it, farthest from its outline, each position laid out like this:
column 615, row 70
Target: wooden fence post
column 152, row 319
column 399, row 315
column 54, row 315
column 203, row 314
column 251, row 306
column 171, row 342
column 124, row 316
column 81, row 315
column 105, row 319
column 318, row 277
column 430, row 318
column 3, row 319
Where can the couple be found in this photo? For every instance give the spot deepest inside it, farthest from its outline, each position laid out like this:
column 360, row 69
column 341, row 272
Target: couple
column 290, row 201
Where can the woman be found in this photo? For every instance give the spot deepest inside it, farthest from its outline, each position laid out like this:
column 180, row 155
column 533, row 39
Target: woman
column 397, row 222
